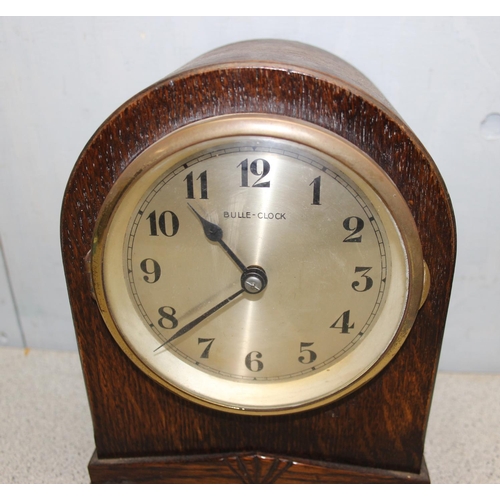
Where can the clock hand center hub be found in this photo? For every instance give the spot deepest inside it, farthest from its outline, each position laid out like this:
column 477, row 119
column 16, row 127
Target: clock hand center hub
column 254, row 280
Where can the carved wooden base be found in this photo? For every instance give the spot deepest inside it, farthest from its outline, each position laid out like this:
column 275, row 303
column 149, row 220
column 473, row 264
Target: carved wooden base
column 240, row 468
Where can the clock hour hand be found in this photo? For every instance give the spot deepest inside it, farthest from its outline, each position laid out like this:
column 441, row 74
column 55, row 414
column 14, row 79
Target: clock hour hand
column 199, row 319
column 214, row 233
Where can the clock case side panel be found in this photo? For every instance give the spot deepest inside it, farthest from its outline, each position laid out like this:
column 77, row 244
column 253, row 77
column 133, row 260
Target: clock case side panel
column 382, row 424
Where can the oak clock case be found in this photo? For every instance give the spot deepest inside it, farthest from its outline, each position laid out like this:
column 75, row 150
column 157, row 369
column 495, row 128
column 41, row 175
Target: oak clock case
column 253, row 273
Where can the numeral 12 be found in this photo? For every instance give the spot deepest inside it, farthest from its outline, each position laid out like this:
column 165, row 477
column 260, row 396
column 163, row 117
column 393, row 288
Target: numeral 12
column 255, row 170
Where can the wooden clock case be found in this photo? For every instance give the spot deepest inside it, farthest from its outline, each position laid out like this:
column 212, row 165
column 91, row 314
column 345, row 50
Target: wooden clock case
column 143, row 432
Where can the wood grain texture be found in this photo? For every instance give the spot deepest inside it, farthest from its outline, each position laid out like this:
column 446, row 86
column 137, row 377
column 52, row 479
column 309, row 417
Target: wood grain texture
column 383, row 424
column 246, row 468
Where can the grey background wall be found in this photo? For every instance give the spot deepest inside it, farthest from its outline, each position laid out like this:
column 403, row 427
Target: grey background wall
column 61, row 77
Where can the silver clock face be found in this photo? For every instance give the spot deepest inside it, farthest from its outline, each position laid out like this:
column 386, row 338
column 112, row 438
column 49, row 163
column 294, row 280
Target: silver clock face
column 303, row 279
column 255, row 273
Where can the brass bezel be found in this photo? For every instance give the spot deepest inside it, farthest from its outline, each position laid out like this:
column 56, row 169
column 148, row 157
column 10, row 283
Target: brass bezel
column 299, row 132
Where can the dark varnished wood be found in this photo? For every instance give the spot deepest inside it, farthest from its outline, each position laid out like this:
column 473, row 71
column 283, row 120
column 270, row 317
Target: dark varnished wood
column 383, row 424
column 247, row 468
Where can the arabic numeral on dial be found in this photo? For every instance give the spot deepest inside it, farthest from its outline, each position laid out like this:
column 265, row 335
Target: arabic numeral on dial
column 203, row 185
column 152, row 270
column 356, row 285
column 311, row 355
column 206, row 351
column 167, row 223
column 244, row 173
column 356, row 225
column 316, row 184
column 259, row 167
column 168, row 319
column 252, row 361
column 342, row 322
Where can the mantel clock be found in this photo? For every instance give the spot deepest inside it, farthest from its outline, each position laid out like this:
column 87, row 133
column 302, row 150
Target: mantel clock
column 259, row 255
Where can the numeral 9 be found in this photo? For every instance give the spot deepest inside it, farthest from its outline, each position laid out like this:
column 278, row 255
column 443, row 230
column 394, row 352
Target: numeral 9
column 154, row 273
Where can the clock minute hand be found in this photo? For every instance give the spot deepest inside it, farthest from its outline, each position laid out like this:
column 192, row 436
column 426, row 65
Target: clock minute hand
column 199, row 319
column 214, row 233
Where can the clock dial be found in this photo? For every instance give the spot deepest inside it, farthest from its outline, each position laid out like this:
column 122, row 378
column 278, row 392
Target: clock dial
column 308, row 229
column 254, row 272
